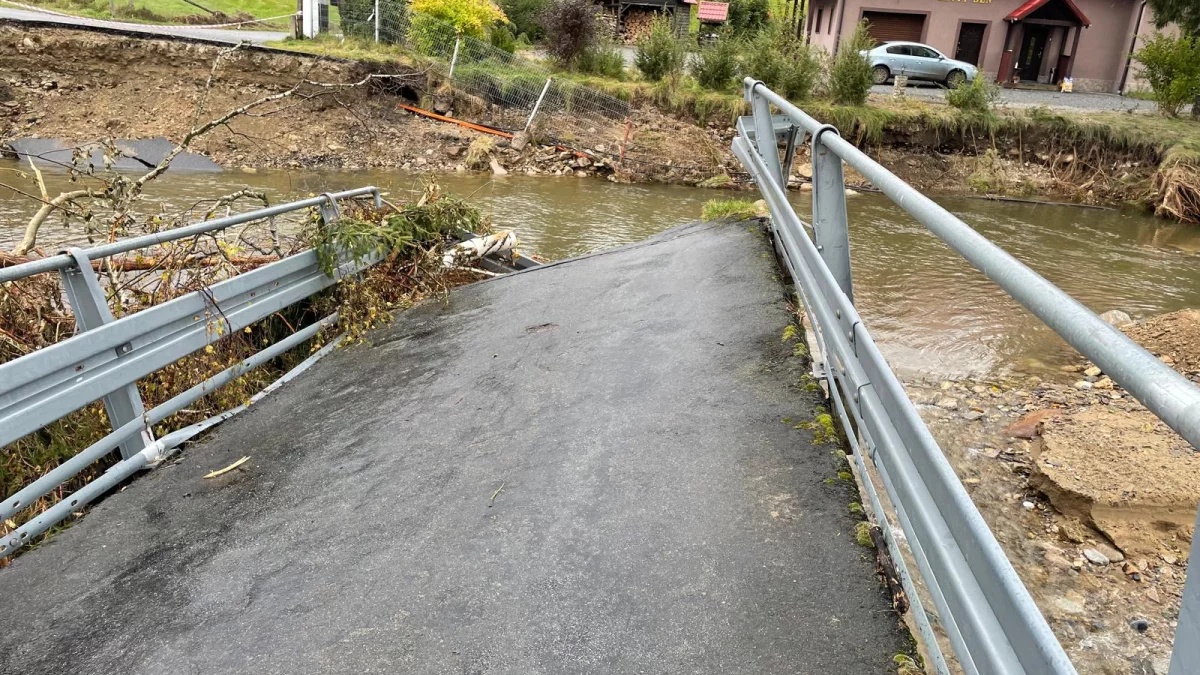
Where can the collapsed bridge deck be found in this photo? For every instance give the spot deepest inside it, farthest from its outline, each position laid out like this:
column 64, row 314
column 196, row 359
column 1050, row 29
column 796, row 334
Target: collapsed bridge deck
column 579, row 468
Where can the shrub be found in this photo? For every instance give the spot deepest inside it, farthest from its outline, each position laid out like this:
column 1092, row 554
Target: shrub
column 502, row 38
column 1172, row 67
column 976, row 96
column 431, row 36
column 716, row 67
column 850, row 76
column 601, row 59
column 783, row 61
column 523, row 15
column 728, row 209
column 570, row 28
column 748, row 16
column 659, row 53
column 469, row 17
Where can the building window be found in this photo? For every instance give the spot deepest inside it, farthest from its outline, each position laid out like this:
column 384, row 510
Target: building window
column 820, row 14
column 830, row 21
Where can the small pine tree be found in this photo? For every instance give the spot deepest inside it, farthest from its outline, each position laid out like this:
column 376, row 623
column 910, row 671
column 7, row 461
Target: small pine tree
column 850, row 76
column 659, row 53
column 716, row 67
column 784, row 62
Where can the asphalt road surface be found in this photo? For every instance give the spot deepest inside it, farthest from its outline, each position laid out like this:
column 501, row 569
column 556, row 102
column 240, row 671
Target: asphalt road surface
column 584, row 468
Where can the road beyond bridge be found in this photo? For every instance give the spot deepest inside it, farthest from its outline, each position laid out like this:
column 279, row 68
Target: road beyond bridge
column 581, row 468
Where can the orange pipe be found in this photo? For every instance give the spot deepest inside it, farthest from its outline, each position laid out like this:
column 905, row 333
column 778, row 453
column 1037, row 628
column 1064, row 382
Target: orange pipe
column 442, row 118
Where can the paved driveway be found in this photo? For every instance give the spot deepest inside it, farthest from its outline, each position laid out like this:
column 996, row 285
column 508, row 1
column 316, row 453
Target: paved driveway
column 1024, row 98
column 230, row 35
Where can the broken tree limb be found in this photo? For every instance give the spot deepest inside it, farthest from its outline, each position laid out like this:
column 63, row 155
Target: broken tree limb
column 35, row 223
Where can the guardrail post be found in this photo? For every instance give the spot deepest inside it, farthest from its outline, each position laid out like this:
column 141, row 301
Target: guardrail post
column 764, row 135
column 831, row 232
column 794, row 135
column 91, row 311
column 330, row 213
column 1185, row 658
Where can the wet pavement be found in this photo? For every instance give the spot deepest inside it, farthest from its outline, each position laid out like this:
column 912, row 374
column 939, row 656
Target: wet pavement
column 593, row 466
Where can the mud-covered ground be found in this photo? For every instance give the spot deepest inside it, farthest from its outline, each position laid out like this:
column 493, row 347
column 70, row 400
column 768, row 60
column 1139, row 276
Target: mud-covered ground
column 1091, row 496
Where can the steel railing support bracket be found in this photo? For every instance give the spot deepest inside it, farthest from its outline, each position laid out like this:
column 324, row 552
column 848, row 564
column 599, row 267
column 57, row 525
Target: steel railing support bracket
column 91, row 311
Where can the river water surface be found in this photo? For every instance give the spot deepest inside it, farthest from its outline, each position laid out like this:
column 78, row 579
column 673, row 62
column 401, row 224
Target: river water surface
column 931, row 312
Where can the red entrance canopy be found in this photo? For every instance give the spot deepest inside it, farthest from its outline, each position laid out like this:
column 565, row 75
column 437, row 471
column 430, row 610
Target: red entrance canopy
column 713, row 11
column 1033, row 5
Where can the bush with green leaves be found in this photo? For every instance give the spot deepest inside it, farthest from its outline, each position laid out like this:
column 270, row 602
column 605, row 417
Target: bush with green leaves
column 716, row 66
column 570, row 27
column 1172, row 67
column 524, row 15
column 976, row 96
column 602, row 58
column 659, row 53
column 850, row 75
column 784, row 62
column 502, row 38
column 748, row 16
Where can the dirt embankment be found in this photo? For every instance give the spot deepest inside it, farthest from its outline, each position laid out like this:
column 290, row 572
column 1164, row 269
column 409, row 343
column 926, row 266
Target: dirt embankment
column 1092, row 497
column 80, row 86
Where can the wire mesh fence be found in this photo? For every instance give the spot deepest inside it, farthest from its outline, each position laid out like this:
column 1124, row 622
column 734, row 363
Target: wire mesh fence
column 511, row 92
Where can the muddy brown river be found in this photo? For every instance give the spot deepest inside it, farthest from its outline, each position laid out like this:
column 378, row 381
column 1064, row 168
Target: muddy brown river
column 932, row 313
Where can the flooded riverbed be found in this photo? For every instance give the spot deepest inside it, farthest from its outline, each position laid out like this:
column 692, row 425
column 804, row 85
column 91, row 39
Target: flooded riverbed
column 932, row 313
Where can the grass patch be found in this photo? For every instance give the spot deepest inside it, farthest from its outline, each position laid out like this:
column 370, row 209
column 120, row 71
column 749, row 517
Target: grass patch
column 351, row 48
column 160, row 11
column 728, row 209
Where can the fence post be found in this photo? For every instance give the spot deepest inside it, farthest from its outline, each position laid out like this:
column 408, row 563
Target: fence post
column 537, row 104
column 829, row 211
column 1185, row 658
column 454, row 59
column 376, row 21
column 91, row 311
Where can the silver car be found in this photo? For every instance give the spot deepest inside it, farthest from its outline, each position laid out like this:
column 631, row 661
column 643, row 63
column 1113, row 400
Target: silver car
column 918, row 62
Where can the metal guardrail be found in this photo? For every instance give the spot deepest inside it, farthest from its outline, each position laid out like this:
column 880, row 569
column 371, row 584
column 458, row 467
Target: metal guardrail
column 106, row 357
column 985, row 612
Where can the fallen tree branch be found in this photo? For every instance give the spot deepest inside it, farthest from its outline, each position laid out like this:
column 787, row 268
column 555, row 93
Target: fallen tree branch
column 131, row 264
column 35, row 223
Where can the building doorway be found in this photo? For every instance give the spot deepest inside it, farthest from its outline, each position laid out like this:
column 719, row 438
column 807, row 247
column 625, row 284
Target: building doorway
column 1033, row 48
column 970, row 42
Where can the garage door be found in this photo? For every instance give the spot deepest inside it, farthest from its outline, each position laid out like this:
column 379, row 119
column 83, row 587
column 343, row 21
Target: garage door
column 888, row 26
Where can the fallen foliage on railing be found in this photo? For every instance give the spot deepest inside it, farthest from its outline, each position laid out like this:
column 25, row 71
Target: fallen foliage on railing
column 410, row 240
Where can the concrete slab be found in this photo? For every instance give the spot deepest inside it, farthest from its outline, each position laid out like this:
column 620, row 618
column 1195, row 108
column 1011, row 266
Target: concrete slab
column 582, row 468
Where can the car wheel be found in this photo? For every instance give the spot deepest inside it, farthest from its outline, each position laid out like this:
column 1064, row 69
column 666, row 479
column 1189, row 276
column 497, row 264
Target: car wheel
column 955, row 79
column 880, row 74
